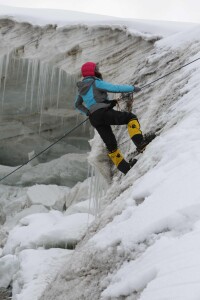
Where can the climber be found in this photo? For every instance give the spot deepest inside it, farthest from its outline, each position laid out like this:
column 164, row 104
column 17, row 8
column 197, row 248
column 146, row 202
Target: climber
column 93, row 101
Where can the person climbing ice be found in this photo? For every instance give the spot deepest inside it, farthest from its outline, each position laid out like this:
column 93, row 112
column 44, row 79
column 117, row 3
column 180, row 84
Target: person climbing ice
column 93, row 101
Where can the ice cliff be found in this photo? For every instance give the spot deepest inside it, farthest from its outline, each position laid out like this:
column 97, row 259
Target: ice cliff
column 138, row 238
column 39, row 67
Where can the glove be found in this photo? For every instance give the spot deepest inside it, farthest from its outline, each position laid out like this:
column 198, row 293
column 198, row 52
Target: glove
column 112, row 103
column 136, row 89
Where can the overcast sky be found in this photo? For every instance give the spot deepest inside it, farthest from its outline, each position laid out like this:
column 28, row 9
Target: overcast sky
column 170, row 10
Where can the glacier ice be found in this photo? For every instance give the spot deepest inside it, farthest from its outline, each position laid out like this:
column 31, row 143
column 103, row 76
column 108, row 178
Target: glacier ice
column 147, row 222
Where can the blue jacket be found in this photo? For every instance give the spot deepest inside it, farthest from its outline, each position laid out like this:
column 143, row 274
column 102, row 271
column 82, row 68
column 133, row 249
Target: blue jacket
column 93, row 94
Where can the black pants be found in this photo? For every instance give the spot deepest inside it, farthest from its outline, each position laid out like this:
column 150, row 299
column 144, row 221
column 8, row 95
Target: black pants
column 103, row 118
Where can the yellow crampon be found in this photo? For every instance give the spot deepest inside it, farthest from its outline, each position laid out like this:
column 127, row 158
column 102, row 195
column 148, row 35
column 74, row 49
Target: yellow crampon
column 134, row 127
column 116, row 156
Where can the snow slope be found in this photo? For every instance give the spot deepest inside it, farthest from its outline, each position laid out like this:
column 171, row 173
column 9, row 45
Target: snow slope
column 144, row 242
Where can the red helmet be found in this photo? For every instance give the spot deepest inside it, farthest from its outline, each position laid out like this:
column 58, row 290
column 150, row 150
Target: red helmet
column 88, row 69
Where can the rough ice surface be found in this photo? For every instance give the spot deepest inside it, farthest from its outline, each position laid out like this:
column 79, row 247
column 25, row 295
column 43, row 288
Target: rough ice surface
column 135, row 236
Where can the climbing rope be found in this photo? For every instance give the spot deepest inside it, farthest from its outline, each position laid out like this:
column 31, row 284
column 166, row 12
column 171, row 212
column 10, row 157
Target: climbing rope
column 159, row 78
column 144, row 86
column 130, row 98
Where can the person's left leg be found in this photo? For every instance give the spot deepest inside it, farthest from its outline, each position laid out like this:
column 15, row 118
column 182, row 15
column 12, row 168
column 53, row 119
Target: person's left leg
column 106, row 133
column 101, row 120
column 113, row 117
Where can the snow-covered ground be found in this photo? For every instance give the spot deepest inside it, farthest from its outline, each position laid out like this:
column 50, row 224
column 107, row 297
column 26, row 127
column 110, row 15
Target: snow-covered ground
column 42, row 235
column 141, row 239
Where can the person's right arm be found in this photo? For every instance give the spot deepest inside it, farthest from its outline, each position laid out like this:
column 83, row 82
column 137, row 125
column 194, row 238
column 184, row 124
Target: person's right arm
column 114, row 88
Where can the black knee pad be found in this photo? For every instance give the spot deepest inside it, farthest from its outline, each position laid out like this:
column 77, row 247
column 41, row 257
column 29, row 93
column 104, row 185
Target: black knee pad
column 111, row 146
column 131, row 117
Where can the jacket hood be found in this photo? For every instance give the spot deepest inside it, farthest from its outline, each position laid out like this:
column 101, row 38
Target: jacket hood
column 84, row 86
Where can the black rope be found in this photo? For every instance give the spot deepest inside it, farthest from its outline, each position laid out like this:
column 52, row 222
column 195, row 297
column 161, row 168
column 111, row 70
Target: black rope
column 129, row 94
column 67, row 133
column 144, row 86
column 169, row 73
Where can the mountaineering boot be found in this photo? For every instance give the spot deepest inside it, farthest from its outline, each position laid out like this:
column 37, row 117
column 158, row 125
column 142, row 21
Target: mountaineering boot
column 119, row 161
column 137, row 137
column 132, row 162
column 134, row 128
column 136, row 134
column 144, row 141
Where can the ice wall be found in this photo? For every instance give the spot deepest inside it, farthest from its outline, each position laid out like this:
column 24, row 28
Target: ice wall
column 39, row 67
column 122, row 233
column 37, row 97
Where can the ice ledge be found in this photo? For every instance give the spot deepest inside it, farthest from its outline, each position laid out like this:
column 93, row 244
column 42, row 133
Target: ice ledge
column 62, row 18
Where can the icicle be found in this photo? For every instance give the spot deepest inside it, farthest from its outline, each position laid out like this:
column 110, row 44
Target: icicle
column 18, row 62
column 27, row 81
column 59, row 83
column 41, row 89
column 98, row 188
column 52, row 84
column 20, row 68
column 1, row 70
column 91, row 170
column 24, row 61
column 5, row 76
column 33, row 81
